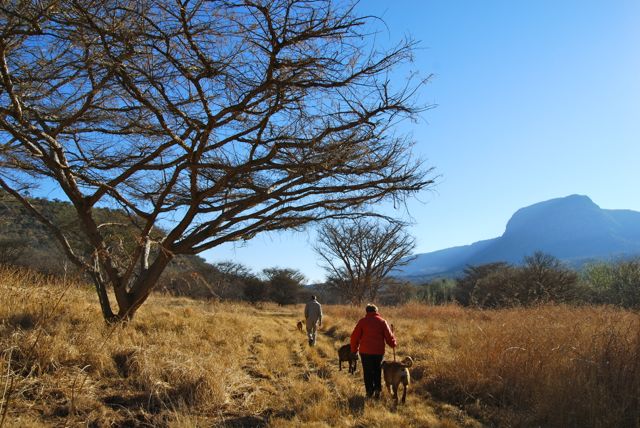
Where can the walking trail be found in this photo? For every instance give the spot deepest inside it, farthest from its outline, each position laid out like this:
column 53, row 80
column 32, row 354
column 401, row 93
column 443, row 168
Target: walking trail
column 293, row 383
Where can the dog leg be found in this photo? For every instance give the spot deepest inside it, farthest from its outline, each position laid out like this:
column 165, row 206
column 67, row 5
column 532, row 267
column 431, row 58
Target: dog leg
column 404, row 392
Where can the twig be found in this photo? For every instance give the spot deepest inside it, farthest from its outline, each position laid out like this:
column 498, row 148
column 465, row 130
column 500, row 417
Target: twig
column 72, row 405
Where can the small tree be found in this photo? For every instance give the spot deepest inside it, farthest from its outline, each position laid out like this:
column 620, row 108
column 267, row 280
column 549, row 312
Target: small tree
column 285, row 285
column 218, row 120
column 545, row 279
column 360, row 253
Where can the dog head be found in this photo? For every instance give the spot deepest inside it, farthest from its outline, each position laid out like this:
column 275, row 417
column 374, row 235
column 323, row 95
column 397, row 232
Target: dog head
column 407, row 362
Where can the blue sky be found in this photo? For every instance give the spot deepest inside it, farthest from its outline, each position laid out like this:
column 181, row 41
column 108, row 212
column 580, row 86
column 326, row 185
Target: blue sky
column 535, row 100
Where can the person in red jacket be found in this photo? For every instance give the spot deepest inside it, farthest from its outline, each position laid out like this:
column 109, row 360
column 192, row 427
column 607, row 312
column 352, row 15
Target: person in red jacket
column 369, row 338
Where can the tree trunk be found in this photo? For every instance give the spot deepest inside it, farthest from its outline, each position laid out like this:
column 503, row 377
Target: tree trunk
column 373, row 285
column 143, row 286
column 103, row 298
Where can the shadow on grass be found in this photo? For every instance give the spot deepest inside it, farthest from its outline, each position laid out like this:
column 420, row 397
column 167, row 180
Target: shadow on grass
column 23, row 321
column 356, row 405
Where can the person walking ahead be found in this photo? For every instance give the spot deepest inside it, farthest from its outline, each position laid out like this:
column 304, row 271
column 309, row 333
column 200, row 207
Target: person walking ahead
column 313, row 317
column 369, row 338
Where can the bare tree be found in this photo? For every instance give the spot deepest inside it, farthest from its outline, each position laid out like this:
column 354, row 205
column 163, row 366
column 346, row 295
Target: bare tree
column 217, row 120
column 359, row 254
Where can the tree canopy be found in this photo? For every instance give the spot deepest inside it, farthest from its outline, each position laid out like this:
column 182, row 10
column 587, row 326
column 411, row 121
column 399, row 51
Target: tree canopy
column 359, row 254
column 217, row 119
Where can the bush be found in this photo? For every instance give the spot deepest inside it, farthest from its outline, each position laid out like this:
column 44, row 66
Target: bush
column 542, row 279
column 502, row 287
column 472, row 274
column 615, row 283
column 255, row 290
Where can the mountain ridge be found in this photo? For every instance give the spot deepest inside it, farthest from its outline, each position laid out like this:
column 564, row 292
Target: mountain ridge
column 572, row 228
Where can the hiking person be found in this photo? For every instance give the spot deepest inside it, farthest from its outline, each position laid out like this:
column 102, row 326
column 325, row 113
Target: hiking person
column 368, row 338
column 313, row 318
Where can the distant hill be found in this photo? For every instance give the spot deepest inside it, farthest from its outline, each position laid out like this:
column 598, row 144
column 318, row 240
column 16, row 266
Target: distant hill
column 31, row 242
column 24, row 241
column 573, row 228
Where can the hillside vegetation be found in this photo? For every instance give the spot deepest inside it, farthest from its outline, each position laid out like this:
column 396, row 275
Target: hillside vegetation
column 26, row 242
column 191, row 363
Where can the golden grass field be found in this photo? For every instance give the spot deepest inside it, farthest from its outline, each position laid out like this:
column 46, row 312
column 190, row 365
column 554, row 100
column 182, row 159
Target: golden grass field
column 184, row 363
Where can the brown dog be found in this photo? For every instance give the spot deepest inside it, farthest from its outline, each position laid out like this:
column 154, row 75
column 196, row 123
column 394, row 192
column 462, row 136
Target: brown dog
column 396, row 373
column 344, row 354
column 300, row 325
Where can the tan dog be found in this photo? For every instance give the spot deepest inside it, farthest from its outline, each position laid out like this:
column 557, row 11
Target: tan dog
column 396, row 373
column 344, row 354
column 300, row 325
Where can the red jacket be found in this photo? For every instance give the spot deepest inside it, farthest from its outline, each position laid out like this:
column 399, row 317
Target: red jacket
column 370, row 334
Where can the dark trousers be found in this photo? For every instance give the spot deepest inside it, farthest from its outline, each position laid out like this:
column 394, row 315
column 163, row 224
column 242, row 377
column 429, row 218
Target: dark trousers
column 372, row 373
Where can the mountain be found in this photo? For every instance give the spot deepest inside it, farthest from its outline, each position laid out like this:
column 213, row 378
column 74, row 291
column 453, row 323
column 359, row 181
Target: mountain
column 573, row 228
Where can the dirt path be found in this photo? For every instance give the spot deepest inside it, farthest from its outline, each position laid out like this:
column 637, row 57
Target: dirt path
column 286, row 374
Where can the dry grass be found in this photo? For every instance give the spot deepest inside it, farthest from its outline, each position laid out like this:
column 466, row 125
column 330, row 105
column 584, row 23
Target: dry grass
column 182, row 363
column 548, row 366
